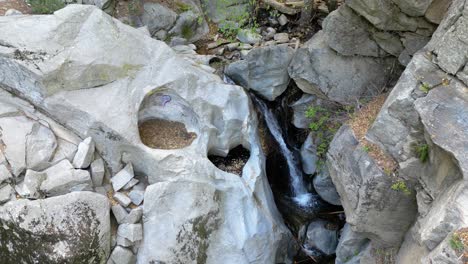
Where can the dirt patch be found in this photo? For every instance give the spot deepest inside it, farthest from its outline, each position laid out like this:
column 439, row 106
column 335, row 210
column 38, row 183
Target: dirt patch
column 234, row 162
column 163, row 134
column 361, row 122
column 19, row 5
column 459, row 243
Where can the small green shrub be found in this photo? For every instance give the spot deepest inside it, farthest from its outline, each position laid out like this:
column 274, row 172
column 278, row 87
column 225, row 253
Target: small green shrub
column 422, row 151
column 456, row 243
column 400, row 185
column 425, row 87
column 182, row 7
column 45, row 6
column 366, row 148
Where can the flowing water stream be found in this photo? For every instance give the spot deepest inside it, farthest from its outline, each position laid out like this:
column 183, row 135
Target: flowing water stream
column 299, row 191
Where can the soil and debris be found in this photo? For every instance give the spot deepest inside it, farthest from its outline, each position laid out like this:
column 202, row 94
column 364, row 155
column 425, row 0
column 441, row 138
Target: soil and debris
column 164, row 134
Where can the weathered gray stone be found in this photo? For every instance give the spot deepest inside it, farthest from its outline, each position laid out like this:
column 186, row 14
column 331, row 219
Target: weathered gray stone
column 265, row 70
column 350, row 34
column 248, row 36
column 84, row 155
column 158, row 17
column 97, row 172
column 136, row 196
column 134, row 216
column 64, row 150
column 444, row 253
column 120, row 213
column 370, row 204
column 437, row 10
column 319, row 70
column 14, row 132
column 130, row 184
column 413, row 7
column 350, row 246
column 385, row 15
column 322, row 236
column 122, row 255
column 281, row 38
column 48, row 230
column 122, row 241
column 6, row 192
column 122, row 177
column 447, row 105
column 412, row 42
column 283, row 20
column 122, row 199
column 132, row 232
column 309, row 155
column 31, row 184
column 324, row 186
column 5, row 174
column 448, row 213
column 40, row 147
column 63, row 178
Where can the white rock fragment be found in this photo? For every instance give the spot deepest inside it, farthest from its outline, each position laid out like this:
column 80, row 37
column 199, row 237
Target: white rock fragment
column 97, row 172
column 29, row 188
column 132, row 232
column 120, row 213
column 134, row 216
column 130, row 184
column 122, row 255
column 5, row 193
column 136, row 196
column 63, row 178
column 122, row 199
column 85, row 153
column 122, row 177
column 40, row 147
column 5, row 174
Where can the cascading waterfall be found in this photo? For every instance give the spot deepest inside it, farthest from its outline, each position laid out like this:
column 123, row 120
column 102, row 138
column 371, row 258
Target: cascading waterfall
column 299, row 191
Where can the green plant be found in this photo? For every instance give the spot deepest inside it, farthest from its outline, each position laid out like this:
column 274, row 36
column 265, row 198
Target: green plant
column 422, row 151
column 400, row 185
column 366, row 148
column 45, row 6
column 323, row 124
column 237, row 19
column 182, row 7
column 456, row 243
column 425, row 87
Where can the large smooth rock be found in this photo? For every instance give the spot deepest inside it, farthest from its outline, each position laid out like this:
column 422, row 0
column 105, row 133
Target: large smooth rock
column 264, row 70
column 370, row 204
column 324, row 186
column 309, row 155
column 350, row 34
column 323, row 236
column 158, row 17
column 317, row 69
column 63, row 178
column 106, row 93
column 350, row 246
column 72, row 228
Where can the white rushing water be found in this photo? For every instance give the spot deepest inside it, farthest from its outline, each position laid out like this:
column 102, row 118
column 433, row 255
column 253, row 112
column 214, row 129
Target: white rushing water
column 300, row 194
